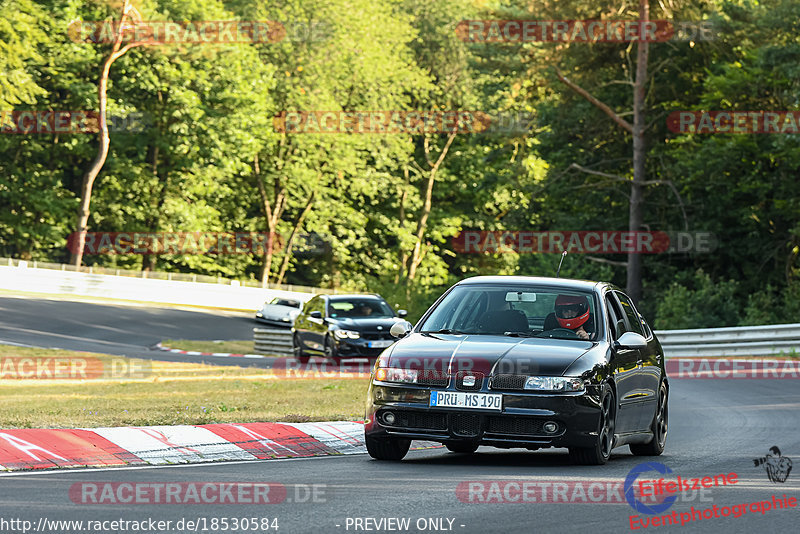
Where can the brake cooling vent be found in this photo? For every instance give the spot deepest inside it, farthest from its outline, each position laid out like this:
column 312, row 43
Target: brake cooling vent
column 516, row 426
column 466, row 425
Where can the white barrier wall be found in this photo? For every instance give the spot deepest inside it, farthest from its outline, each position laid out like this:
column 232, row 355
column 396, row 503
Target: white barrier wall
column 52, row 282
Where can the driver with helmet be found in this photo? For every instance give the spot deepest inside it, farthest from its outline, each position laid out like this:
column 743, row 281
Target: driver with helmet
column 572, row 313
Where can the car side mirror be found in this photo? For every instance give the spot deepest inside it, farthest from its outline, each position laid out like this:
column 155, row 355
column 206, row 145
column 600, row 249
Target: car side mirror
column 315, row 315
column 402, row 313
column 632, row 340
column 400, row 329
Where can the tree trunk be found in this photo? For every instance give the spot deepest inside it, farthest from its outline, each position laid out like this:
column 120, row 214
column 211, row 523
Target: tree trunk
column 636, row 215
column 401, row 219
column 637, row 129
column 289, row 242
column 272, row 214
column 422, row 223
column 117, row 50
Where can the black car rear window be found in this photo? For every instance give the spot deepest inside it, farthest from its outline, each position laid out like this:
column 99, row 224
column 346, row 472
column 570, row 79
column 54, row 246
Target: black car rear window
column 355, row 307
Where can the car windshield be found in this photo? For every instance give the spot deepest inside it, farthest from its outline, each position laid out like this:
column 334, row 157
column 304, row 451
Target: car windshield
column 342, row 308
column 278, row 301
column 519, row 311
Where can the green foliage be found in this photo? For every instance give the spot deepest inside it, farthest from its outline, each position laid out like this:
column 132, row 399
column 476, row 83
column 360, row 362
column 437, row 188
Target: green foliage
column 210, row 141
column 699, row 302
column 772, row 306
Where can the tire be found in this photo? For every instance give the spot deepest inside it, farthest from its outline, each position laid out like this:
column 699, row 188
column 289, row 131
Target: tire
column 330, row 350
column 462, row 448
column 601, row 451
column 297, row 350
column 659, row 428
column 388, row 449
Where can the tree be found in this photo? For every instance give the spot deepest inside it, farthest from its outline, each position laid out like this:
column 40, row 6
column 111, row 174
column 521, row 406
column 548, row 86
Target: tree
column 637, row 132
column 129, row 15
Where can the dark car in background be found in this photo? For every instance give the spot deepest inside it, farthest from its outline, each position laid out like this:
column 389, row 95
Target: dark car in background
column 513, row 361
column 344, row 326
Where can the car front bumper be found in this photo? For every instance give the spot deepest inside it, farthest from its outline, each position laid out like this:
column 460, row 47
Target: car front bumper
column 357, row 347
column 287, row 322
column 520, row 423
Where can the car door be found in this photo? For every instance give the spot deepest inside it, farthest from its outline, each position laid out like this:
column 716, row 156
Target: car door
column 625, row 364
column 649, row 374
column 318, row 326
column 304, row 324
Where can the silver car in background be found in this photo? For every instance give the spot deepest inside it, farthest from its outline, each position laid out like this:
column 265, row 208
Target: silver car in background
column 280, row 311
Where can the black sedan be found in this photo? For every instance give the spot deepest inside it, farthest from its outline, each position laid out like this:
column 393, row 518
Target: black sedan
column 512, row 361
column 344, row 326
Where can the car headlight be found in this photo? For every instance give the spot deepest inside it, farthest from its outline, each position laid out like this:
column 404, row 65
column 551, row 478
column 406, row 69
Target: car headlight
column 554, row 383
column 392, row 374
column 343, row 334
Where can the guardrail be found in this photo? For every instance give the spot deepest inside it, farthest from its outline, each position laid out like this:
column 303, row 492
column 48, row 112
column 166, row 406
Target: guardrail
column 54, row 282
column 768, row 340
column 159, row 275
column 272, row 341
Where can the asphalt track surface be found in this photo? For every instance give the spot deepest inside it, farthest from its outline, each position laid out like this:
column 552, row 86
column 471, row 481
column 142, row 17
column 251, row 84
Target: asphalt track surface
column 716, row 427
column 120, row 329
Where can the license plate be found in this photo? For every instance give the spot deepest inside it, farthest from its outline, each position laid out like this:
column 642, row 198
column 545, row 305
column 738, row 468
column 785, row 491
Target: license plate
column 383, row 343
column 458, row 399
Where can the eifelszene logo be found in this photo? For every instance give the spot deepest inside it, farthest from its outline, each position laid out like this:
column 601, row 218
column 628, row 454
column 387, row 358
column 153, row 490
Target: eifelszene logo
column 630, row 485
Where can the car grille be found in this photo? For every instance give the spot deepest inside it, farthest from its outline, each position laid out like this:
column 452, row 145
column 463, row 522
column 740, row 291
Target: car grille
column 466, row 425
column 375, row 336
column 421, row 420
column 463, row 374
column 432, row 377
column 509, row 382
column 517, row 426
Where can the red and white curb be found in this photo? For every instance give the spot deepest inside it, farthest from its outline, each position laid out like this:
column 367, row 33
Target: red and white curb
column 161, row 347
column 26, row 449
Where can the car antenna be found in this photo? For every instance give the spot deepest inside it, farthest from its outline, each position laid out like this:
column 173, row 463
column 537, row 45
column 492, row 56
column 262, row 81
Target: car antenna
column 563, row 255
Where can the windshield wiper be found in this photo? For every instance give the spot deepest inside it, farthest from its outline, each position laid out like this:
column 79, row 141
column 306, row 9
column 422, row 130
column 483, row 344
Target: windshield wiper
column 442, row 331
column 519, row 334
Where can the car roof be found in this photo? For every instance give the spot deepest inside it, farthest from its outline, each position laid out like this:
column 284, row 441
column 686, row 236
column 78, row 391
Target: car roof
column 561, row 283
column 353, row 296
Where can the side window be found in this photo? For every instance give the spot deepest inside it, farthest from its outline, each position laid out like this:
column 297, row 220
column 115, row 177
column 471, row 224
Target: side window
column 634, row 322
column 648, row 332
column 313, row 304
column 615, row 321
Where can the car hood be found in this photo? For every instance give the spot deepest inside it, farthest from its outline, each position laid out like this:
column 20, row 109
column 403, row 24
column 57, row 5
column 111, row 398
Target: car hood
column 486, row 354
column 278, row 310
column 365, row 324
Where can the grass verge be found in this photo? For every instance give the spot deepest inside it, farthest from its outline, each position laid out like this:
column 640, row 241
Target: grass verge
column 236, row 347
column 164, row 393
